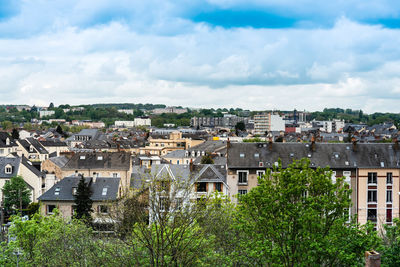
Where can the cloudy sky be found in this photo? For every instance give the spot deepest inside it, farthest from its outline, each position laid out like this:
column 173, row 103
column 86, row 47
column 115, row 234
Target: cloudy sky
column 254, row 54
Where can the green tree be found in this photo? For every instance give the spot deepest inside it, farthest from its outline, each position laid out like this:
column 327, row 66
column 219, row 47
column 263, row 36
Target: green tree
column 16, row 194
column 51, row 106
column 391, row 244
column 298, row 216
column 7, row 125
column 83, row 201
column 207, row 159
column 240, row 126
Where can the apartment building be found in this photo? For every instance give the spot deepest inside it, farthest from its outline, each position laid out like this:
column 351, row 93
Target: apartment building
column 267, row 122
column 371, row 170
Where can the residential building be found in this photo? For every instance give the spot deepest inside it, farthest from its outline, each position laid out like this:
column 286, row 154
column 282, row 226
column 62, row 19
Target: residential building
column 267, row 122
column 162, row 146
column 32, row 149
column 13, row 166
column 105, row 190
column 45, row 113
column 89, row 164
column 7, row 144
column 55, row 147
column 176, row 110
column 371, row 170
column 126, row 111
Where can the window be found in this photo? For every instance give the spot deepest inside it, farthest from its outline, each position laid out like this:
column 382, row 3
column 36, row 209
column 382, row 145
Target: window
column 242, row 192
column 371, row 215
column 102, row 209
column 256, row 155
column 104, row 192
column 372, row 195
column 100, row 158
column 372, row 178
column 389, row 178
column 333, row 177
column 389, row 196
column 242, row 177
column 8, row 169
column 260, row 173
column 115, row 175
column 178, row 203
column 241, row 155
column 57, row 191
column 50, row 209
column 163, row 203
column 74, row 190
column 201, row 187
column 218, row 187
column 389, row 215
column 1, row 150
column 82, row 157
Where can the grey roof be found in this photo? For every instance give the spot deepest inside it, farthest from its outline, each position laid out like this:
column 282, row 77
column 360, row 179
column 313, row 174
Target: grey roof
column 337, row 155
column 14, row 162
column 203, row 172
column 59, row 161
column 89, row 132
column 210, row 146
column 52, row 143
column 65, row 189
column 99, row 160
column 175, row 154
column 29, row 165
column 3, row 138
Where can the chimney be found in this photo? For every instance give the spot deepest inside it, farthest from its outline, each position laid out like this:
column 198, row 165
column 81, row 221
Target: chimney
column 396, row 143
column 312, row 147
column 354, row 141
column 372, row 259
column 270, row 144
column 191, row 165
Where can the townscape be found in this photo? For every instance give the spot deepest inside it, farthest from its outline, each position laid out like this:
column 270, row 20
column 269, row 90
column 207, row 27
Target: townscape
column 220, row 157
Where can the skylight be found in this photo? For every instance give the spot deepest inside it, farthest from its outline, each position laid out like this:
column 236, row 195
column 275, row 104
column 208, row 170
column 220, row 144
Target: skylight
column 57, row 191
column 242, row 155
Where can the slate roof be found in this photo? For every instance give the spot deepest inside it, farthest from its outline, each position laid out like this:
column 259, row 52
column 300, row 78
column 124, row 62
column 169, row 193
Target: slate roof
column 29, row 165
column 14, row 162
column 210, row 146
column 3, row 138
column 99, row 160
column 35, row 143
column 59, row 161
column 65, row 189
column 203, row 172
column 337, row 155
column 52, row 143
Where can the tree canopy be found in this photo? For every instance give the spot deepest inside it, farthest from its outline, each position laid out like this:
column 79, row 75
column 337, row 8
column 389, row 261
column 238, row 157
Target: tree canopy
column 16, row 194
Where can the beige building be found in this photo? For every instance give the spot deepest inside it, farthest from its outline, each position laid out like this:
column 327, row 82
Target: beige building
column 99, row 164
column 370, row 170
column 175, row 141
column 105, row 190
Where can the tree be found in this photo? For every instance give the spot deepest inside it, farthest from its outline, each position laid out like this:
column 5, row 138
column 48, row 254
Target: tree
column 51, row 106
column 391, row 244
column 83, row 201
column 59, row 130
column 15, row 134
column 7, row 125
column 298, row 216
column 16, row 194
column 207, row 159
column 240, row 126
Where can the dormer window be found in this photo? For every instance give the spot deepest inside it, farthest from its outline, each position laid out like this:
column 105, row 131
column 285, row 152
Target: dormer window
column 74, row 190
column 8, row 169
column 100, row 158
column 57, row 191
column 82, row 157
column 104, row 192
column 31, row 149
column 7, row 141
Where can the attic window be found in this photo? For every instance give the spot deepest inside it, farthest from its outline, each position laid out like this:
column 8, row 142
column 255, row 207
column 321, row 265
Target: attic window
column 347, row 147
column 256, row 155
column 309, row 155
column 104, row 192
column 100, row 158
column 74, row 190
column 82, row 157
column 31, row 149
column 346, row 163
column 382, row 164
column 57, row 192
column 276, row 164
column 336, row 156
column 291, row 155
column 8, row 169
column 242, row 155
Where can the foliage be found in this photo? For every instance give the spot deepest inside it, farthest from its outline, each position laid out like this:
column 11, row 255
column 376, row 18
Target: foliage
column 391, row 244
column 207, row 159
column 253, row 140
column 16, row 193
column 297, row 216
column 83, row 201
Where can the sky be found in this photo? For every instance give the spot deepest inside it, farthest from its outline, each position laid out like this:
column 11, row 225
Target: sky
column 251, row 54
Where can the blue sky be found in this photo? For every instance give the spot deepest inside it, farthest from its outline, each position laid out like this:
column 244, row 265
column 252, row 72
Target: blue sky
column 255, row 54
